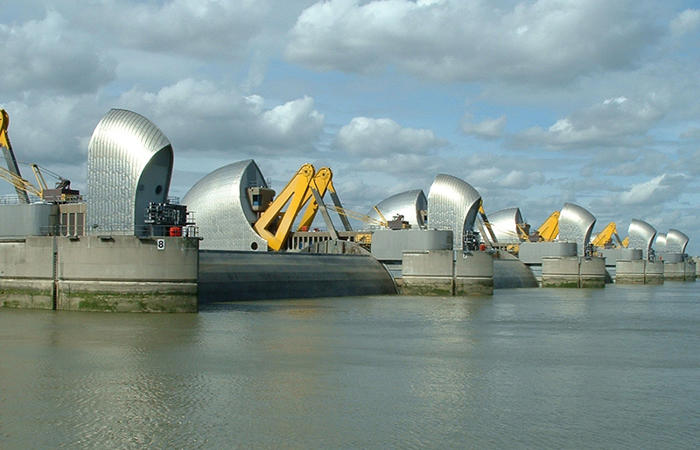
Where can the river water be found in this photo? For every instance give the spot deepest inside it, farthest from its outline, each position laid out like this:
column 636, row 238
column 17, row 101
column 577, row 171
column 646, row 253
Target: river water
column 533, row 368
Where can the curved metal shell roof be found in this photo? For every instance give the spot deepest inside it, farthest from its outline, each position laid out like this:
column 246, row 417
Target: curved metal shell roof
column 452, row 205
column 409, row 204
column 576, row 225
column 641, row 236
column 504, row 224
column 130, row 163
column 660, row 243
column 221, row 210
column 676, row 241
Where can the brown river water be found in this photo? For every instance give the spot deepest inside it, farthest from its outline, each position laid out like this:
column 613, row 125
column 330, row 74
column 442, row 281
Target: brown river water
column 527, row 368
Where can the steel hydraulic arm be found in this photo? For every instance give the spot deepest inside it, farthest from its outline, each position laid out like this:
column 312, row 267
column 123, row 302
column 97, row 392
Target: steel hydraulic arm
column 321, row 183
column 604, row 238
column 549, row 229
column 491, row 238
column 12, row 173
column 275, row 223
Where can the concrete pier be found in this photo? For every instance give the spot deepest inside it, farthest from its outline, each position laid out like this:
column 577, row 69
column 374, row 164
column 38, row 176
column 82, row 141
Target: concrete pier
column 560, row 271
column 428, row 273
column 690, row 270
column 473, row 274
column 654, row 272
column 446, row 273
column 630, row 271
column 678, row 267
column 573, row 272
column 100, row 273
column 592, row 272
column 639, row 271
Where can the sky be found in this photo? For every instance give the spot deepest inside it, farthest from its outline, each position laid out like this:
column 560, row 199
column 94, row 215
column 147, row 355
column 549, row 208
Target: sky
column 534, row 103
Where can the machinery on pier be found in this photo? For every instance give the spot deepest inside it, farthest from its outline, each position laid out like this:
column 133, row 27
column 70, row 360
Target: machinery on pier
column 549, row 230
column 604, row 239
column 305, row 192
column 62, row 193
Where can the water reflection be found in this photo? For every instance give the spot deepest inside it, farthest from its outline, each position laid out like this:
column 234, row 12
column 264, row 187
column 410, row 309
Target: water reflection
column 535, row 368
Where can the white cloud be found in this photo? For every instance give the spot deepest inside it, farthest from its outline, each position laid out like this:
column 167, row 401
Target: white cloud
column 197, row 28
column 201, row 115
column 543, row 42
column 686, row 22
column 486, row 129
column 381, row 137
column 48, row 55
column 658, row 189
column 616, row 121
column 496, row 177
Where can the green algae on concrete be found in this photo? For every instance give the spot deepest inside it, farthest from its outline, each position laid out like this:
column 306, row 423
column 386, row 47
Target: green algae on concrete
column 26, row 298
column 141, row 302
column 425, row 287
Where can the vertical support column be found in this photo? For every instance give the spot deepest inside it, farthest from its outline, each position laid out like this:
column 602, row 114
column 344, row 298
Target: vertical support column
column 54, row 263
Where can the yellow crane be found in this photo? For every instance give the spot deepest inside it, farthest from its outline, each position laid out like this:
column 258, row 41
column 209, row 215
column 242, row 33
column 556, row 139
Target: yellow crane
column 22, row 186
column 274, row 224
column 61, row 194
column 549, row 229
column 321, row 183
column 487, row 225
column 305, row 190
column 11, row 174
column 604, row 238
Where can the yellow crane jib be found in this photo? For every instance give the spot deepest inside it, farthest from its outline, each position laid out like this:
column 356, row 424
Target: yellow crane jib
column 275, row 224
column 4, row 123
column 487, row 224
column 549, row 229
column 20, row 183
column 604, row 238
column 14, row 177
column 39, row 177
column 322, row 181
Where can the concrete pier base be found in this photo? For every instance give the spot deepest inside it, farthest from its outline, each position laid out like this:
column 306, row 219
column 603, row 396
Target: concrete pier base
column 560, row 272
column 680, row 271
column 473, row 274
column 651, row 272
column 100, row 273
column 446, row 273
column 690, row 270
column 639, row 271
column 592, row 273
column 630, row 271
column 654, row 272
column 675, row 271
column 573, row 272
column 427, row 273
column 26, row 293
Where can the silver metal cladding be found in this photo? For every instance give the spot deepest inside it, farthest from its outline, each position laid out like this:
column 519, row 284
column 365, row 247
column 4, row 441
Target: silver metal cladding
column 641, row 236
column 576, row 225
column 408, row 204
column 221, row 210
column 660, row 243
column 676, row 241
column 453, row 204
column 504, row 224
column 130, row 164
